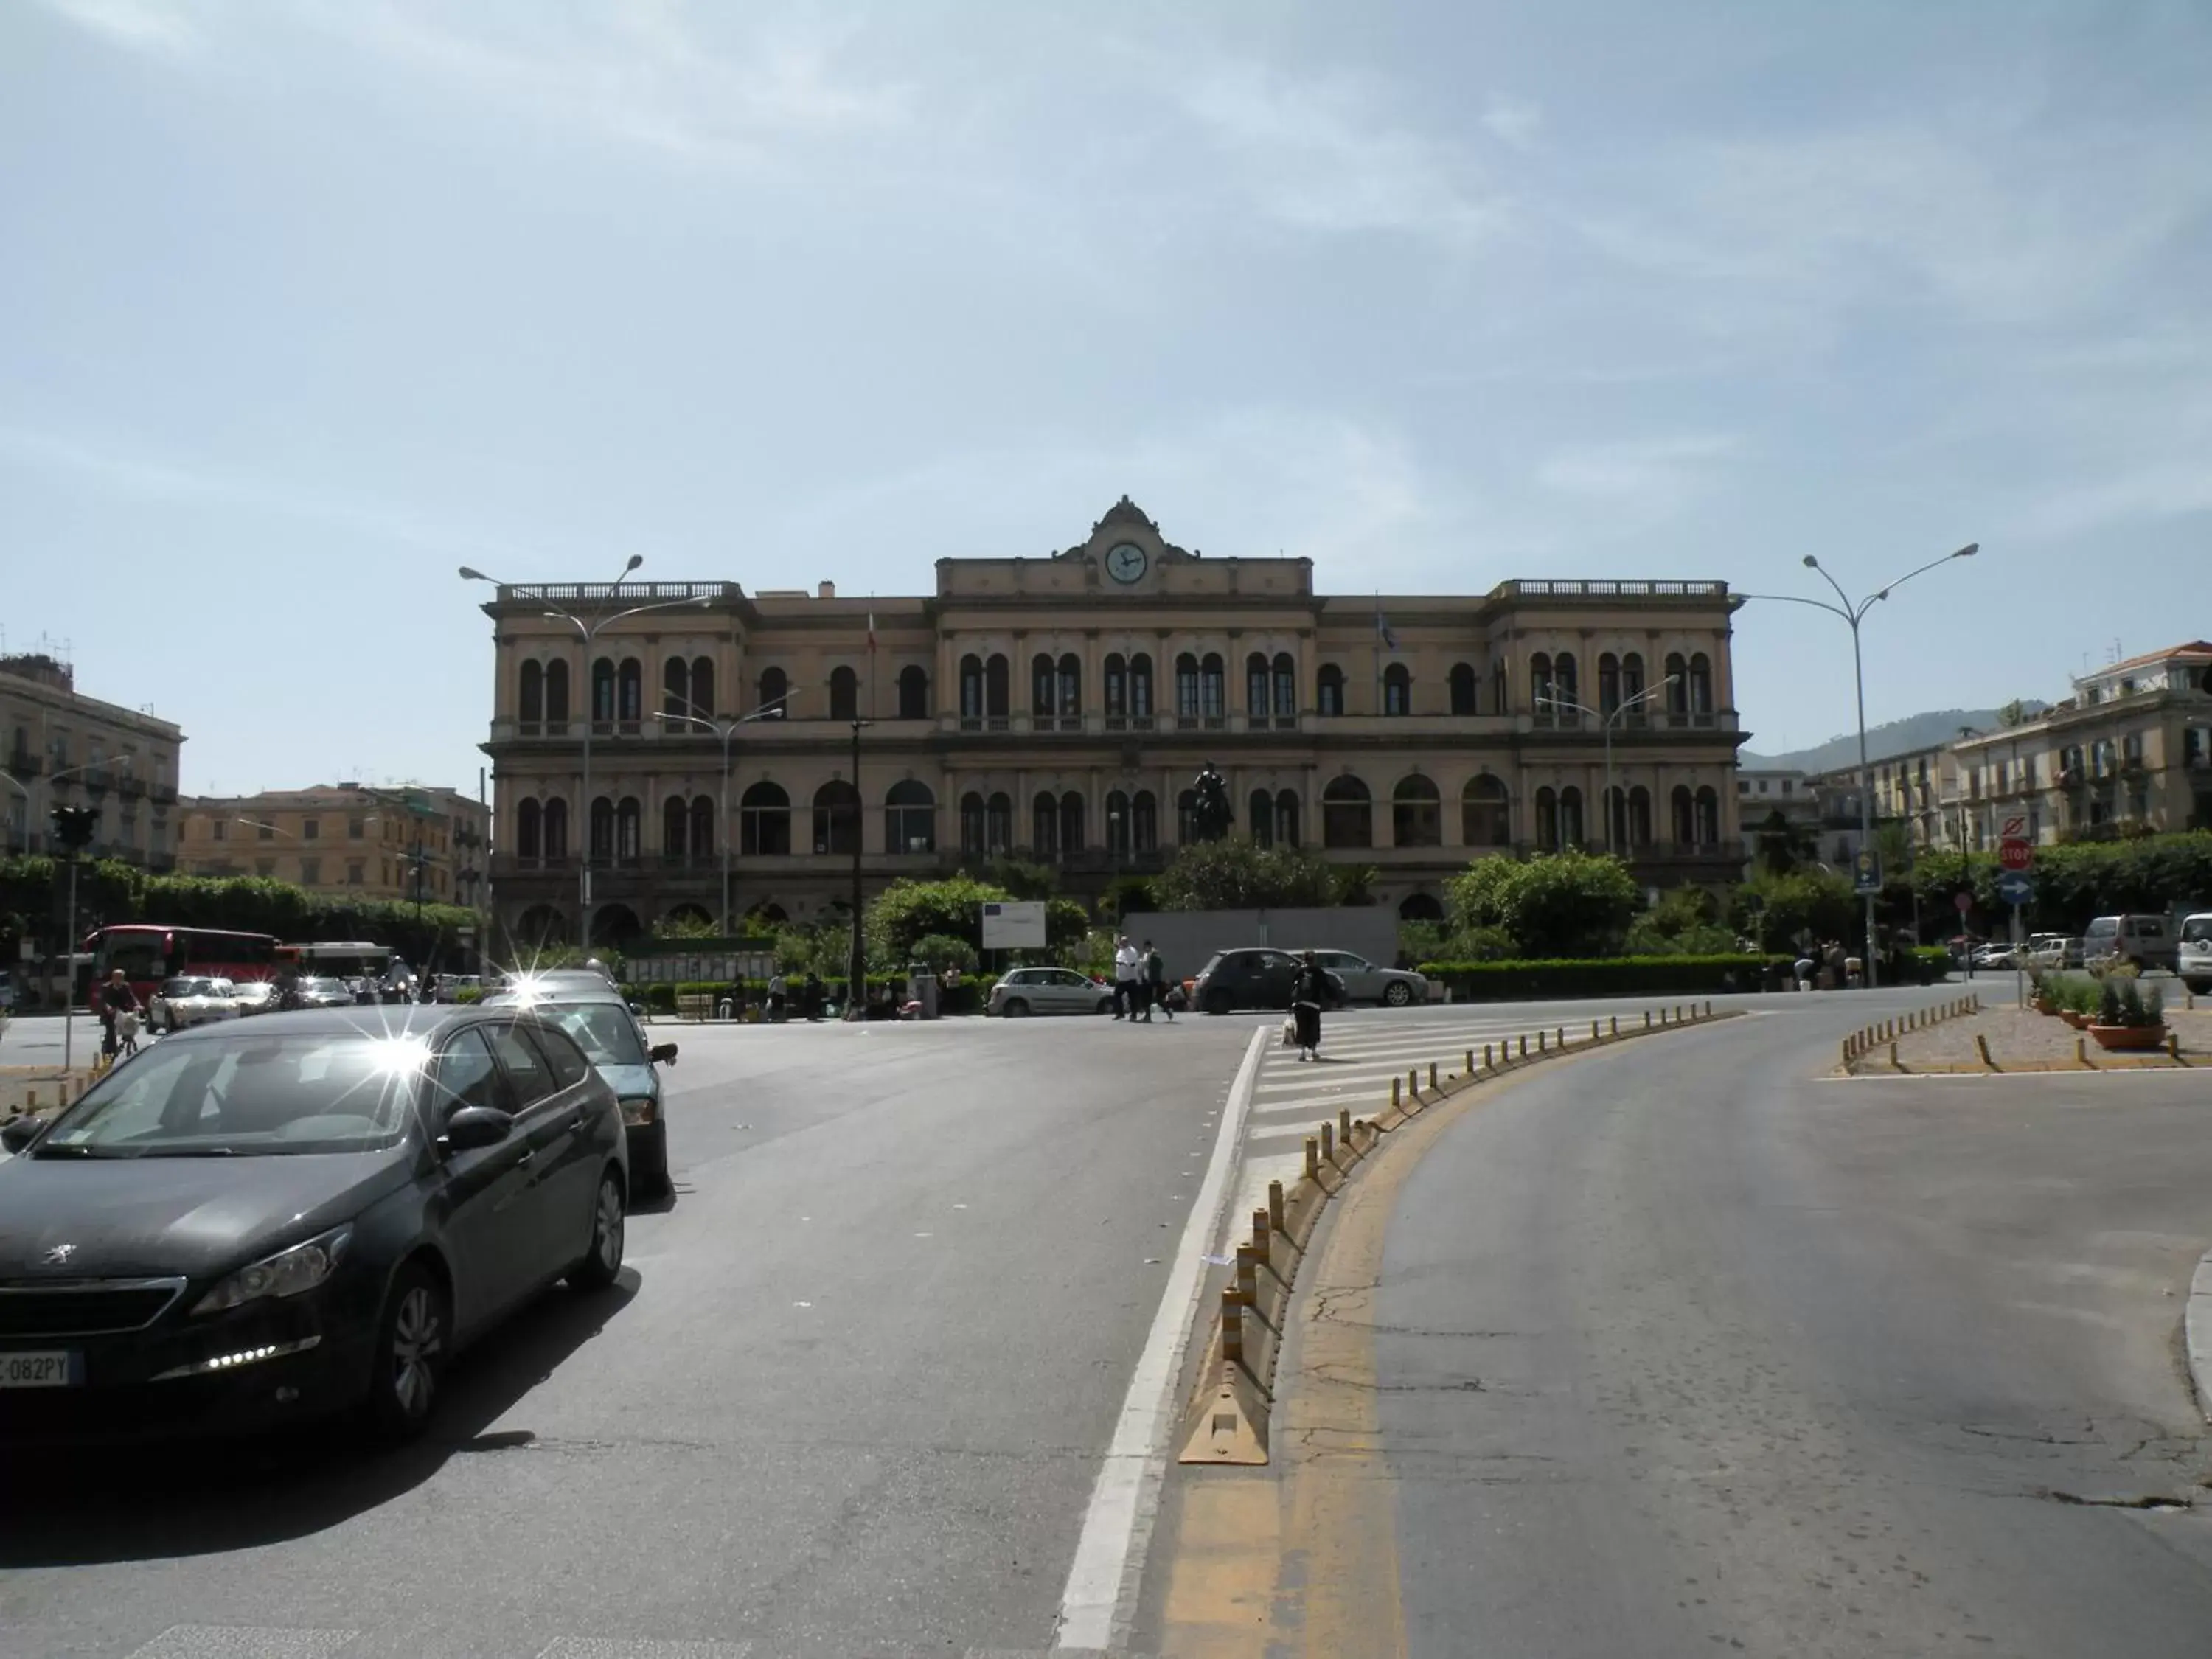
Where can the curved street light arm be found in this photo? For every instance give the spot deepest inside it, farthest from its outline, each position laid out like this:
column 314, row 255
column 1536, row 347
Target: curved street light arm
column 1799, row 598
column 1852, row 610
column 1883, row 592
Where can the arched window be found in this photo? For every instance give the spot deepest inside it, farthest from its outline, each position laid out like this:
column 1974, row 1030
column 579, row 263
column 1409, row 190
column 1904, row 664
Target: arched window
column 1631, row 688
column 1071, row 692
column 1286, row 690
column 1347, row 817
column 1262, row 823
column 1464, row 682
column 1117, row 687
column 1073, row 826
column 999, row 825
column 914, row 693
column 1213, row 690
column 1539, row 687
column 556, row 695
column 909, row 817
column 530, row 830
column 1639, row 817
column 702, row 826
column 1256, row 692
column 1044, row 824
column 1044, row 690
column 1143, row 823
column 971, row 692
column 1684, row 815
column 1186, row 689
column 1608, row 683
column 629, row 690
column 1416, row 814
column 1548, row 819
column 1287, row 817
column 557, row 829
column 532, row 701
column 995, row 695
column 1566, row 688
column 1706, row 817
column 1187, row 817
column 676, row 688
column 703, row 686
column 844, row 694
column 1328, row 689
column 836, row 817
column 764, row 821
column 603, row 691
column 973, row 835
column 629, row 830
column 775, row 699
column 1117, row 823
column 1486, row 812
column 1420, row 907
column 675, row 828
column 1701, row 685
column 1678, row 686
column 602, row 828
column 1571, row 816
column 1397, row 690
column 1140, row 689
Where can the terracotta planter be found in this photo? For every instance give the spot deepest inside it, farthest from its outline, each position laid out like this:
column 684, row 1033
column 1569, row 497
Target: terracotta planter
column 2045, row 1005
column 2130, row 1038
column 2074, row 1018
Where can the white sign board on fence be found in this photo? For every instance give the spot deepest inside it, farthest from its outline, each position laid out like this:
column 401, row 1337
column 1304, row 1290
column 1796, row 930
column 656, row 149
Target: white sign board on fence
column 1014, row 927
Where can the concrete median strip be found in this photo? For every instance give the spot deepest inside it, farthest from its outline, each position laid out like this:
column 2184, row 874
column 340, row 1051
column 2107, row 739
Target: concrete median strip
column 1227, row 1420
column 2197, row 1334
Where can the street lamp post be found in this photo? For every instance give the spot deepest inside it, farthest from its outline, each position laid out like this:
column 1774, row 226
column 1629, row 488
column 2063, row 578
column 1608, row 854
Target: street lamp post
column 1553, row 700
column 725, row 729
column 587, row 632
column 856, row 967
column 69, row 931
column 1854, row 612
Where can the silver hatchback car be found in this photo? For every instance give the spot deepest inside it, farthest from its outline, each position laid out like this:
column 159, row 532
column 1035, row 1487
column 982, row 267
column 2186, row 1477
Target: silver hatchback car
column 1395, row 987
column 1048, row 991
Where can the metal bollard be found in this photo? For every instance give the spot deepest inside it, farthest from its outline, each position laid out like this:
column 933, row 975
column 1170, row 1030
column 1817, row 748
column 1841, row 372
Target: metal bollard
column 1232, row 1327
column 1432, row 1074
column 1344, row 1127
column 1486, row 1058
column 1413, row 1080
column 1647, row 1019
column 1261, row 1228
column 1397, row 1092
column 1313, row 1158
column 1524, row 1045
column 1593, row 1031
column 1539, row 1042
column 1275, row 1204
column 1470, row 1060
column 1615, row 1025
column 1247, row 1277
column 1327, row 1142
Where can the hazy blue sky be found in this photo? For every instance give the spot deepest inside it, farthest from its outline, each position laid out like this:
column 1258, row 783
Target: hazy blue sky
column 306, row 303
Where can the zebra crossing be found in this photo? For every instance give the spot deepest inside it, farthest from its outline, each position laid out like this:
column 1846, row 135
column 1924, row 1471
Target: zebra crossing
column 1360, row 1054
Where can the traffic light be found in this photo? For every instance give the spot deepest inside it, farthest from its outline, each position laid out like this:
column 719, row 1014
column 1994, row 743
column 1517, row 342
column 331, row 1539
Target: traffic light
column 75, row 826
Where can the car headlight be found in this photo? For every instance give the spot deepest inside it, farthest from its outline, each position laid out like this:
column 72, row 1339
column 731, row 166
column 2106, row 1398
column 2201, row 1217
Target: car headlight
column 639, row 1109
column 288, row 1273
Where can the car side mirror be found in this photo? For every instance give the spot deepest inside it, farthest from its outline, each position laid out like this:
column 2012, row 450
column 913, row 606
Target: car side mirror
column 663, row 1053
column 638, row 1008
column 472, row 1127
column 20, row 1132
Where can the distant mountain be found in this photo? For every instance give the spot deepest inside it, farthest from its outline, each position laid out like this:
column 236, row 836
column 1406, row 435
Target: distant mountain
column 1895, row 737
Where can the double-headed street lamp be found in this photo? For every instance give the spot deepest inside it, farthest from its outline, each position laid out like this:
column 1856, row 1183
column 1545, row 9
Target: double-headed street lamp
column 725, row 729
column 1854, row 612
column 1553, row 699
column 587, row 632
column 68, row 939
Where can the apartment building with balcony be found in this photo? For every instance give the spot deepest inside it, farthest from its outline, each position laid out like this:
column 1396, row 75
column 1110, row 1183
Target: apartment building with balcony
column 1058, row 708
column 345, row 840
column 63, row 748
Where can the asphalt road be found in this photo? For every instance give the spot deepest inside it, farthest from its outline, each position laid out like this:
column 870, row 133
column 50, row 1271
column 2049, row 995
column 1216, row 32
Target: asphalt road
column 1678, row 1351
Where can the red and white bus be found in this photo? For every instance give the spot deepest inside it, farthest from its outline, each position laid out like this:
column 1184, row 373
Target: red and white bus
column 149, row 953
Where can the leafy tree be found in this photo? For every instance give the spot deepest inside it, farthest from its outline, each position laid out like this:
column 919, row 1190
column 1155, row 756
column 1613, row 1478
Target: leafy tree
column 1021, row 878
column 943, row 950
column 1684, row 923
column 907, row 912
column 1783, row 845
column 677, row 927
column 1777, row 909
column 1563, row 904
column 1237, row 874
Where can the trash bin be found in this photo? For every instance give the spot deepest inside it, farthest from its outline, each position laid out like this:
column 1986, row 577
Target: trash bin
column 922, row 987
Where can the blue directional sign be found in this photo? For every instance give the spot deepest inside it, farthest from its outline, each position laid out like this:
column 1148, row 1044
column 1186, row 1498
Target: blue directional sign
column 2014, row 888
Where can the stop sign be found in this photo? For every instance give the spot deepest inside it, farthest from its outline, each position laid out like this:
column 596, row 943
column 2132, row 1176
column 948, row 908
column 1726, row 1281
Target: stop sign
column 2015, row 854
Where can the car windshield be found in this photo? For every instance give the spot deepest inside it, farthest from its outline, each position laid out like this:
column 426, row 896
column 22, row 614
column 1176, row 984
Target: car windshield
column 604, row 1031
column 184, row 988
column 2103, row 927
column 323, row 988
column 2197, row 930
column 246, row 1095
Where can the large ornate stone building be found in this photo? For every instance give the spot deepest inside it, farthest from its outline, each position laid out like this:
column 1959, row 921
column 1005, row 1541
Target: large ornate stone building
column 1058, row 708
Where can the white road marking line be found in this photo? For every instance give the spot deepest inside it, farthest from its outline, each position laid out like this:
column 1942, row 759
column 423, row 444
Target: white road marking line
column 243, row 1641
column 601, row 1647
column 1118, row 1523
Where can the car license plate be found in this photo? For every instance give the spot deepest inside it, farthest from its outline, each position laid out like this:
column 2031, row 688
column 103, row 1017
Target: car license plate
column 55, row 1369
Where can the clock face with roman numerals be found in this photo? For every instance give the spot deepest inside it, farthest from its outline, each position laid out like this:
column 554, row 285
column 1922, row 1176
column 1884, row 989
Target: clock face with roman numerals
column 1127, row 563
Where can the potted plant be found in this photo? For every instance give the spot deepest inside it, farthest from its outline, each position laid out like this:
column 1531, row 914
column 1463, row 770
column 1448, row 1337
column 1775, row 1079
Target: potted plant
column 2128, row 1017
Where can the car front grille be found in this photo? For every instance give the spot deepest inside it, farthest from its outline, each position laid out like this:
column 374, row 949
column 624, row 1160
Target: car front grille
column 82, row 1307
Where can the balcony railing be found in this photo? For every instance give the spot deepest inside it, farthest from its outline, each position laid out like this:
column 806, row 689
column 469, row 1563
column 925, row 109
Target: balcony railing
column 132, row 788
column 1608, row 590
column 613, row 598
column 26, row 763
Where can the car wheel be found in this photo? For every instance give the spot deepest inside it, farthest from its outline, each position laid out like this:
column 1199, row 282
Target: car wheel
column 413, row 1342
column 1105, row 1004
column 1015, row 1008
column 648, row 1162
column 1219, row 1002
column 1397, row 993
column 603, row 1262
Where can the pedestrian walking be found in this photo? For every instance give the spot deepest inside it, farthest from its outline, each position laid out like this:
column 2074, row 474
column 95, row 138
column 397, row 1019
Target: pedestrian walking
column 116, row 997
column 778, row 994
column 1128, row 970
column 1156, row 985
column 1308, row 991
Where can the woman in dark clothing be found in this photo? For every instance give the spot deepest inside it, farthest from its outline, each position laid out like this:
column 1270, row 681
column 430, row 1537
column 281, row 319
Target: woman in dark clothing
column 1308, row 992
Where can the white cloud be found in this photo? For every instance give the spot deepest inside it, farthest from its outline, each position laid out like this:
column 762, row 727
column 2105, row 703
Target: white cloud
column 1516, row 123
column 1648, row 477
column 139, row 25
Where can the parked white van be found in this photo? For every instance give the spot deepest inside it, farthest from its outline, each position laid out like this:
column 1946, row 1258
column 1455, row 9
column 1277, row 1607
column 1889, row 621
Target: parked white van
column 2193, row 954
column 2145, row 940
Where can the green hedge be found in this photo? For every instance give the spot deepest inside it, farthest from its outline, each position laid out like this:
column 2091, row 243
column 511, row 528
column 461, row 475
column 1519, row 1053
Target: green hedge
column 1500, row 982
